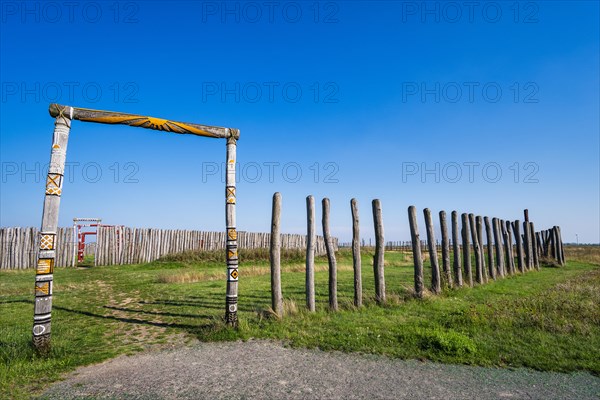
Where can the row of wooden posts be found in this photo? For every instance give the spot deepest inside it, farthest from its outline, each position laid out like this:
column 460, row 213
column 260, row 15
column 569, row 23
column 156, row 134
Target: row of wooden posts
column 498, row 252
column 500, row 260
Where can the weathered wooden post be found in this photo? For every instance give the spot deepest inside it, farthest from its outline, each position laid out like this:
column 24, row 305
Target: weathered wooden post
column 527, row 245
column 476, row 249
column 416, row 250
column 356, row 258
column 561, row 246
column 510, row 258
column 519, row 245
column 466, row 248
column 540, row 244
column 534, row 246
column 526, row 240
column 47, row 249
column 490, row 248
column 479, row 224
column 275, row 256
column 556, row 244
column 498, row 246
column 435, row 267
column 445, row 249
column 456, row 250
column 333, row 302
column 378, row 258
column 310, row 253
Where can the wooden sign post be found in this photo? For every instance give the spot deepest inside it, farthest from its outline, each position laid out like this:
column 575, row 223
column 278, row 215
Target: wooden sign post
column 47, row 251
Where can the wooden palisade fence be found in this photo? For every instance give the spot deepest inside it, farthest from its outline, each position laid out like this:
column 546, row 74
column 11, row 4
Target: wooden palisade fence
column 118, row 245
column 122, row 245
column 19, row 247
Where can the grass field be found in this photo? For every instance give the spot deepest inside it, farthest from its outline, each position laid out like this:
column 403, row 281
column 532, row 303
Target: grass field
column 546, row 320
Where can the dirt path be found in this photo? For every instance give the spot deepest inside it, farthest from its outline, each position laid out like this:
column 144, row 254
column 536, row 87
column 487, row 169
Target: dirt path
column 267, row 370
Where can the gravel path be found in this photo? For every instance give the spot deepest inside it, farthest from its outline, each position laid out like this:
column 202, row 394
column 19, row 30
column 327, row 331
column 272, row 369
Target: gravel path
column 267, row 370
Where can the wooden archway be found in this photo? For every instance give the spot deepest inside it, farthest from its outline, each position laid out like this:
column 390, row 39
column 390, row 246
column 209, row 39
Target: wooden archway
column 64, row 115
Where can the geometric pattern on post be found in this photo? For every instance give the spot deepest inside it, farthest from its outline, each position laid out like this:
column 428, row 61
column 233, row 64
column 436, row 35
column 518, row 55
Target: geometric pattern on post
column 47, row 240
column 54, row 184
column 231, row 247
column 46, row 253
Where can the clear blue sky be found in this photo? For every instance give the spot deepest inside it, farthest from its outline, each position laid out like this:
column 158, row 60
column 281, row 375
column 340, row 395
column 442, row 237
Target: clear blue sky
column 366, row 93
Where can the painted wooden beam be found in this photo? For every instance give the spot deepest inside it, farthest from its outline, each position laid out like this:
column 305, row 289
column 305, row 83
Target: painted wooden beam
column 141, row 121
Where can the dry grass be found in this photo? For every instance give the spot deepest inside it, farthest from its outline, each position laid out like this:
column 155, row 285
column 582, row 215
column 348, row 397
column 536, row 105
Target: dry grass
column 218, row 256
column 190, row 276
column 587, row 253
column 193, row 276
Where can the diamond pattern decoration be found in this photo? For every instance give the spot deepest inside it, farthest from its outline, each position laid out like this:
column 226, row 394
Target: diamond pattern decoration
column 47, row 241
column 231, row 234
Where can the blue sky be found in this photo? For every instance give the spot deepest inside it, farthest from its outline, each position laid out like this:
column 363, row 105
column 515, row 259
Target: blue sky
column 358, row 97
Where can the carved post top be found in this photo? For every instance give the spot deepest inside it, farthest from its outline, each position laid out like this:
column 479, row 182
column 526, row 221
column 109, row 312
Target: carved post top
column 56, row 110
column 234, row 133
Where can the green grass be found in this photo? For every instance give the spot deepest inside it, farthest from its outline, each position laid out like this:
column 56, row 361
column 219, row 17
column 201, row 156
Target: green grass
column 546, row 320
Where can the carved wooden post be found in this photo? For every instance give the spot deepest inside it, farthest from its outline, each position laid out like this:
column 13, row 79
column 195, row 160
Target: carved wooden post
column 456, row 250
column 534, row 246
column 47, row 249
column 435, row 268
column 498, row 246
column 466, row 248
column 231, row 299
column 378, row 258
column 416, row 250
column 519, row 245
column 510, row 258
column 356, row 258
column 476, row 249
column 445, row 249
column 310, row 253
column 479, row 224
column 333, row 303
column 276, row 295
column 490, row 248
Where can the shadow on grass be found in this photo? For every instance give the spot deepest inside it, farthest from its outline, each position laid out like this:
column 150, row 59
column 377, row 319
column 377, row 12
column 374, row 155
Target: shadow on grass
column 160, row 313
column 191, row 328
column 200, row 303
